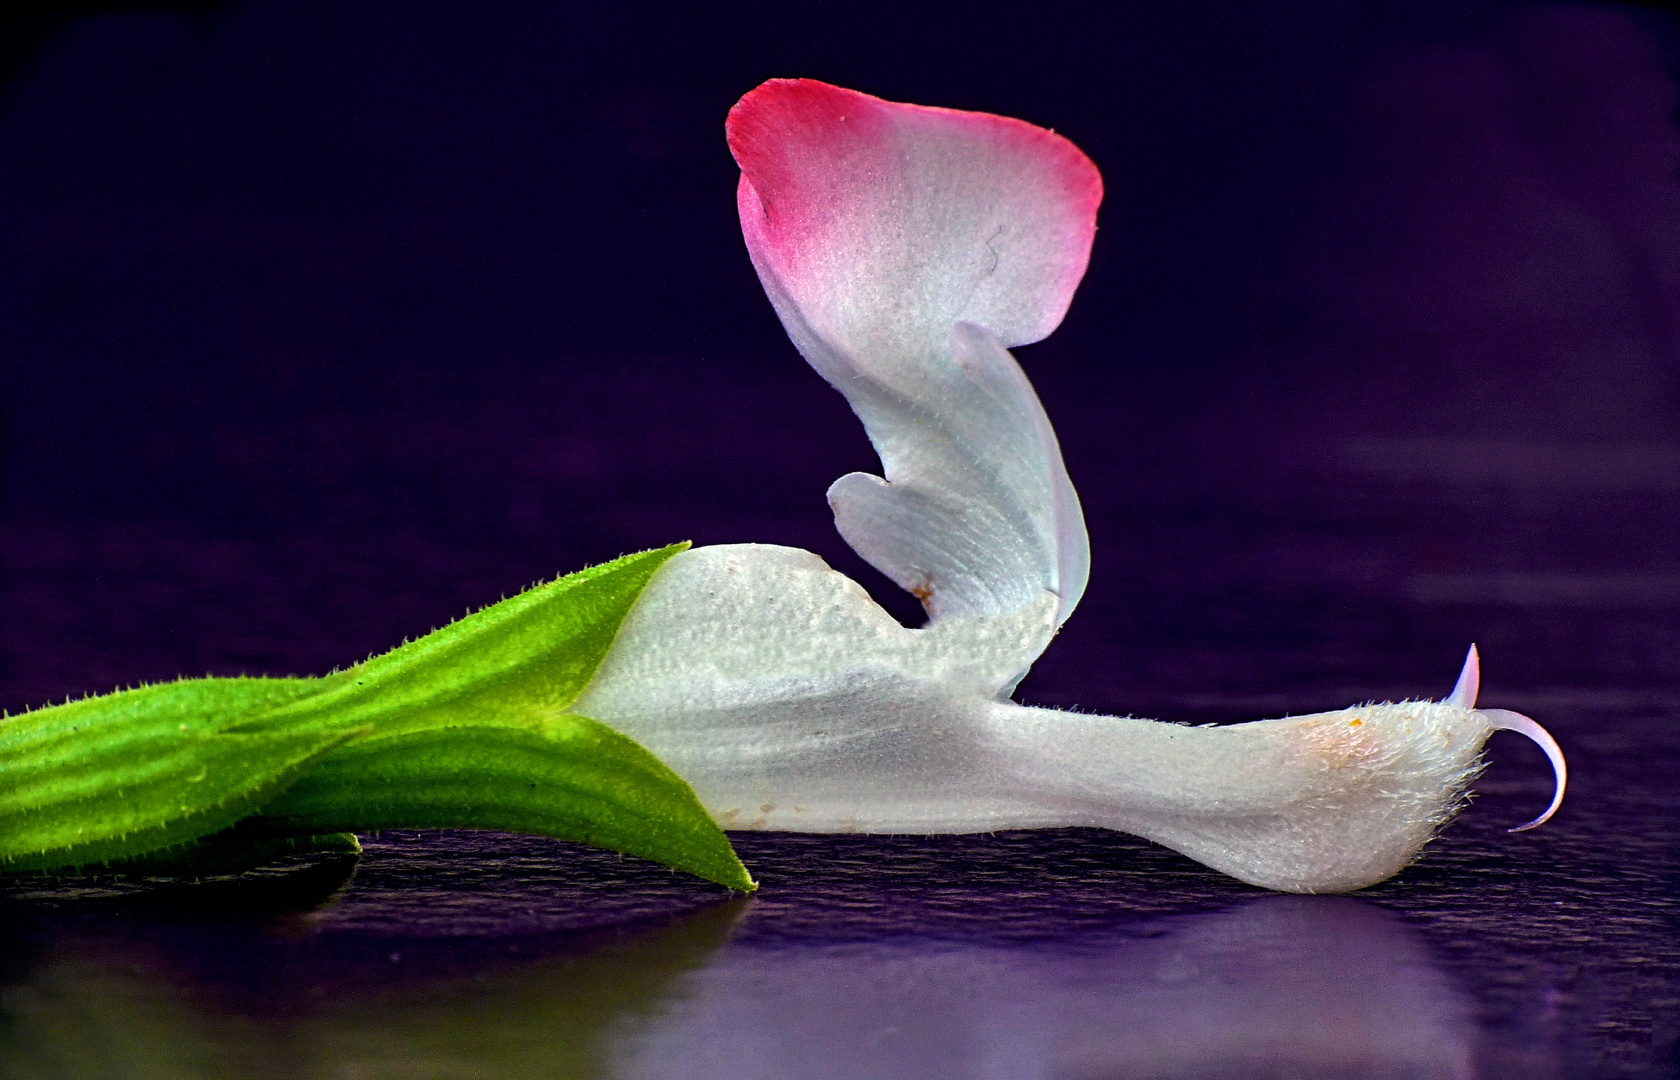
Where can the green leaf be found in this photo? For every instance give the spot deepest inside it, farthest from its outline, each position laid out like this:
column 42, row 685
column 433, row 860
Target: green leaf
column 117, row 776
column 568, row 777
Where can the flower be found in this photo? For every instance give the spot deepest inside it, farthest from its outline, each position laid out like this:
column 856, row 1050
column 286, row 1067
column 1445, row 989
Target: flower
column 906, row 249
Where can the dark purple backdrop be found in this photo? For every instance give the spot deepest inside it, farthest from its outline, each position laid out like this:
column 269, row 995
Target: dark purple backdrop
column 324, row 323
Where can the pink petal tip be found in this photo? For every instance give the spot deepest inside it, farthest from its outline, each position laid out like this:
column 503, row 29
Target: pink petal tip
column 857, row 206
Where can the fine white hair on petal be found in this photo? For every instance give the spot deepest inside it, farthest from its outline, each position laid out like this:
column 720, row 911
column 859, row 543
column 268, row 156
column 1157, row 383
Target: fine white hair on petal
column 905, row 248
column 1329, row 802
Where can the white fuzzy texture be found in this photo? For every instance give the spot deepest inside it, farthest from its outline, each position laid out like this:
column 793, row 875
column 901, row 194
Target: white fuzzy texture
column 791, row 701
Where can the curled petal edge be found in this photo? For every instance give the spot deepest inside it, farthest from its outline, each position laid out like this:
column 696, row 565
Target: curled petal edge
column 1506, row 720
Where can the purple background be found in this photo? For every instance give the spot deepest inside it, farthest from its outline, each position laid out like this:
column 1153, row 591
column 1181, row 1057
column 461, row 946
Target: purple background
column 322, row 324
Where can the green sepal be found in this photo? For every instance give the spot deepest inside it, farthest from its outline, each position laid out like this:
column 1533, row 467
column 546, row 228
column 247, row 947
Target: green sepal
column 118, row 776
column 530, row 655
column 568, row 777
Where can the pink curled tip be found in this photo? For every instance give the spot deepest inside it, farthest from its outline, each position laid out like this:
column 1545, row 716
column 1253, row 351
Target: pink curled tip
column 1507, row 720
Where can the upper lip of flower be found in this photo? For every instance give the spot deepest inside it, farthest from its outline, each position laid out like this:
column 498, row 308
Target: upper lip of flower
column 905, row 249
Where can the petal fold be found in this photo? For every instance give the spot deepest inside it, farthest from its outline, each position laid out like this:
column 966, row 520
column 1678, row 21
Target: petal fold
column 979, row 516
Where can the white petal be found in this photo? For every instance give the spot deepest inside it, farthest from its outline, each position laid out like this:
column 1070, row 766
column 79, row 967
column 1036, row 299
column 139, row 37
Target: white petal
column 979, row 516
column 876, row 229
column 789, row 700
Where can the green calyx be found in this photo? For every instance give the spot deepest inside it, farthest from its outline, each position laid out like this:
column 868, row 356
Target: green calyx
column 466, row 727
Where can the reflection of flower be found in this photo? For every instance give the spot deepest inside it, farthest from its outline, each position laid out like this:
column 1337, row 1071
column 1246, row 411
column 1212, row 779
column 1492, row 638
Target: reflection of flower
column 905, row 249
column 1279, row 986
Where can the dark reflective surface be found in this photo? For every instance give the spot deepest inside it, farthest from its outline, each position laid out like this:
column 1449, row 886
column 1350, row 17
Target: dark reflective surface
column 1064, row 953
column 321, row 326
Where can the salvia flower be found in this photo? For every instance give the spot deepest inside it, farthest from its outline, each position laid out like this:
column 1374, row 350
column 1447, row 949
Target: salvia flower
column 905, row 249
